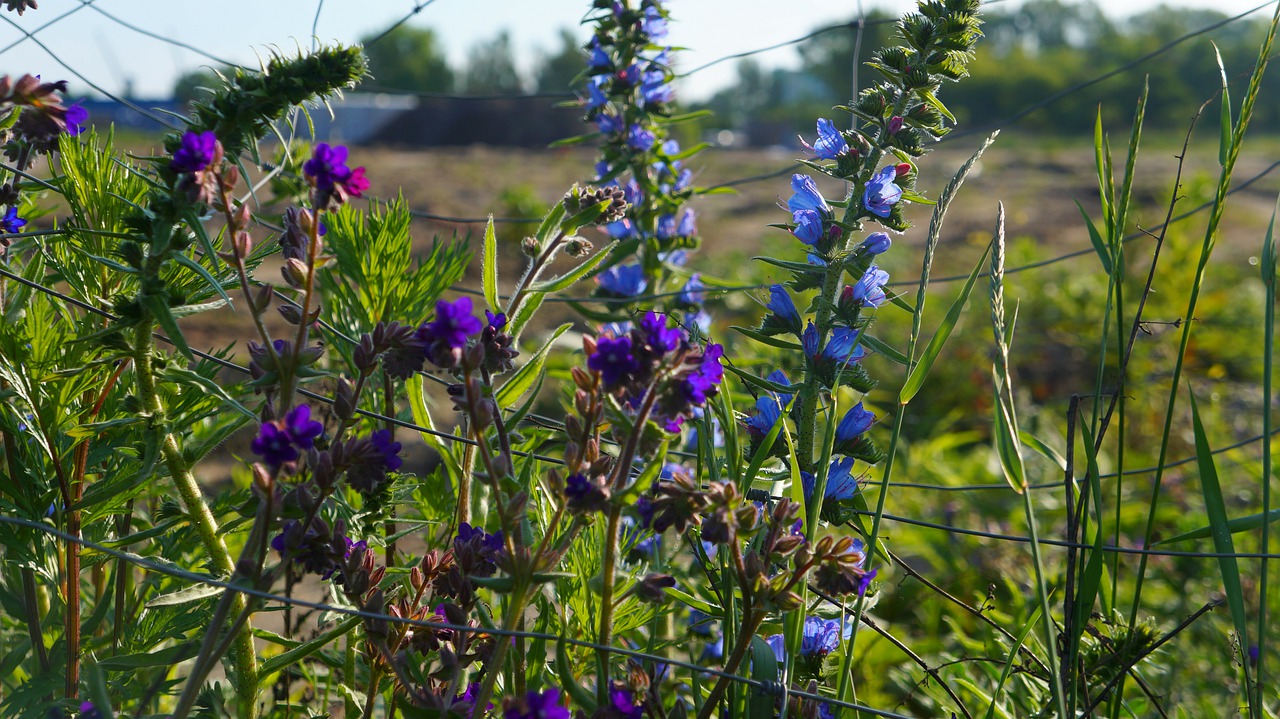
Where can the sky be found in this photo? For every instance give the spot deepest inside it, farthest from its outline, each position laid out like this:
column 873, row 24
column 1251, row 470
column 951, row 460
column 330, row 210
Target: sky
column 112, row 56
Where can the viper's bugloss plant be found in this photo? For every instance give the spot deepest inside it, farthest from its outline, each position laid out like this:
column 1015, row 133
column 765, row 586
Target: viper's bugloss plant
column 630, row 101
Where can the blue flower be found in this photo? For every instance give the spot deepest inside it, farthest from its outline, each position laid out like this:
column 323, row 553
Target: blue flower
column 822, row 636
column 869, row 289
column 598, row 59
column 452, row 325
column 767, row 413
column 830, row 143
column 684, row 180
column 11, row 223
column 666, row 227
column 781, row 305
column 841, row 484
column 779, row 377
column 654, row 89
column 881, row 194
column 675, row 258
column 714, row 650
column 623, row 280
column 806, row 196
column 809, row 340
column 843, row 346
column 876, row 243
column 688, row 224
column 653, row 25
column 279, row 441
column 692, row 292
column 595, row 91
column 630, row 75
column 640, row 139
column 632, row 193
column 701, row 623
column 778, row 644
column 620, row 230
column 608, row 123
column 808, row 229
column 854, row 423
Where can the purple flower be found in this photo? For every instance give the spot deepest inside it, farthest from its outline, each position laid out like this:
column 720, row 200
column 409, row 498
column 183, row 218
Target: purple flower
column 778, row 643
column 808, row 229
column 608, row 123
column 624, row 703
column 536, row 705
column 623, row 280
column 653, row 25
column 11, row 223
column 488, row 545
column 278, row 442
column 301, row 428
column 809, row 340
column 692, row 292
column 806, row 196
column 640, row 139
column 877, row 243
column 702, row 383
column 629, row 75
column 854, row 423
column 87, row 709
column 195, row 152
column 327, row 170
column 869, row 289
column 388, row 451
column 684, row 180
column 632, row 193
column 76, row 117
column 841, row 484
column 666, row 227
column 881, row 193
column 781, row 305
column 452, row 325
column 613, row 360
column 595, row 91
column 497, row 322
column 653, row 328
column 830, row 143
column 864, row 582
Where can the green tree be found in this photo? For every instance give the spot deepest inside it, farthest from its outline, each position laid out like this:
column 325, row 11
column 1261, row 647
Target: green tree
column 491, row 68
column 187, row 88
column 556, row 71
column 408, row 58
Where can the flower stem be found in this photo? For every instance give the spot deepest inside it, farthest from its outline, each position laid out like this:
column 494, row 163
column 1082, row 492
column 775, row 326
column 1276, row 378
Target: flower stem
column 750, row 623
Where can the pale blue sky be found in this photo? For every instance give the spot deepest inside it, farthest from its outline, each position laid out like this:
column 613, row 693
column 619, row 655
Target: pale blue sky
column 107, row 53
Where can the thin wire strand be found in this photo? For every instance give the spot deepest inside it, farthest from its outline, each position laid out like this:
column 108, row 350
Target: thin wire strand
column 417, row 8
column 164, row 38
column 60, row 18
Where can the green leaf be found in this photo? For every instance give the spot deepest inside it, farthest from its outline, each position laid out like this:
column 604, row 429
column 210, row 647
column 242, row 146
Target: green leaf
column 159, row 309
column 763, row 384
column 194, row 593
column 766, row 339
column 1219, row 527
column 563, row 282
column 932, row 100
column 491, row 266
column 199, row 269
column 564, row 668
column 1224, row 117
column 764, row 668
column 524, row 378
column 166, row 657
column 692, row 601
column 182, row 375
column 921, row 371
column 550, row 223
column 1095, row 237
column 1003, row 438
column 306, row 649
column 1040, row 446
column 1013, row 656
column 522, row 314
column 881, row 348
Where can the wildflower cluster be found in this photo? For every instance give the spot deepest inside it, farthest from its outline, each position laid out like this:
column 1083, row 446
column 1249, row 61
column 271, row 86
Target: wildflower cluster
column 32, row 118
column 629, row 101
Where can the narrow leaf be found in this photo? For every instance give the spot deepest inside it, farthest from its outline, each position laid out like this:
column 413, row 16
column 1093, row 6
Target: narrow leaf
column 491, row 266
column 525, row 377
column 563, row 282
column 918, row 373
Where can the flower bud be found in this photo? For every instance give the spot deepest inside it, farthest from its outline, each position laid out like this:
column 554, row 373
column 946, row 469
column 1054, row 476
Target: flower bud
column 242, row 243
column 876, row 243
column 344, row 400
column 895, row 124
column 290, row 313
column 578, row 247
column 294, row 272
column 530, row 247
column 310, row 355
column 652, row 588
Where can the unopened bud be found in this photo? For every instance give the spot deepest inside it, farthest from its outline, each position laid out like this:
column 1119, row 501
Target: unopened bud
column 530, row 247
column 294, row 272
column 895, row 124
column 262, row 299
column 290, row 313
column 344, row 400
column 580, row 378
column 262, row 481
column 242, row 243
column 309, row 355
column 578, row 247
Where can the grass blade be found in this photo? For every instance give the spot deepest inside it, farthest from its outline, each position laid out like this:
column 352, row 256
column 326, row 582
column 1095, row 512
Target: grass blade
column 931, row 351
column 491, row 266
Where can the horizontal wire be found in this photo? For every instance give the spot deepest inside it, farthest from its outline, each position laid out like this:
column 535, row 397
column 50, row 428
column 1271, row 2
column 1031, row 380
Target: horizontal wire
column 541, row 457
column 178, row 573
column 127, row 103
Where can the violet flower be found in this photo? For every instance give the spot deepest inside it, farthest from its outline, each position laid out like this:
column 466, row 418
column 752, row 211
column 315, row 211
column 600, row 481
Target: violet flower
column 881, row 193
column 195, row 152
